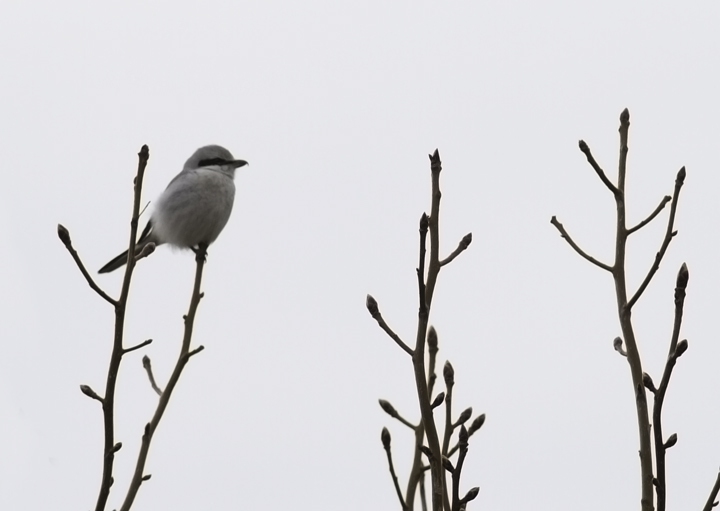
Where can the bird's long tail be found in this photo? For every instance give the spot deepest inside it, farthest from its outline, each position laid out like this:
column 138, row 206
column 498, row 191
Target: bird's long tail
column 121, row 260
column 115, row 263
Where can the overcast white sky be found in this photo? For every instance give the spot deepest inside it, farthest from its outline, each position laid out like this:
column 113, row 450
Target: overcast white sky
column 336, row 106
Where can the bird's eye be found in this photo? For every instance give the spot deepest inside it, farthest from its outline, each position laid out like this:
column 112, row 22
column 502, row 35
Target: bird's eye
column 211, row 161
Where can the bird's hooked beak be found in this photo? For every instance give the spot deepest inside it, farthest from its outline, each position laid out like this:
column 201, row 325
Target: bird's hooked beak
column 236, row 164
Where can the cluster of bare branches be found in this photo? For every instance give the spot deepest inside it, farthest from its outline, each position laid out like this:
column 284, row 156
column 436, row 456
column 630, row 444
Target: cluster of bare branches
column 653, row 483
column 111, row 447
column 436, row 455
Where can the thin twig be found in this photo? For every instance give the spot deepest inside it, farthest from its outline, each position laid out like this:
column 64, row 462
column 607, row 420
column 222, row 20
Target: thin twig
column 182, row 360
column 372, row 307
column 137, row 346
column 436, row 472
column 669, row 234
column 117, row 349
column 463, row 443
column 147, row 365
column 601, row 174
column 385, row 437
column 423, row 498
column 449, row 376
column 64, row 236
column 462, row 246
column 566, row 237
column 432, row 344
column 710, row 504
column 649, row 219
column 633, row 353
column 660, row 448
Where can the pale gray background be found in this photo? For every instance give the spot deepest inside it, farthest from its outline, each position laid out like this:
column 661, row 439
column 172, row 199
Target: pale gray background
column 336, row 105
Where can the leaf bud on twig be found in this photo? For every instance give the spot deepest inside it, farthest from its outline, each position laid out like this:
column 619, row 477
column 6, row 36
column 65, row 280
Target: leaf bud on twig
column 465, row 415
column 618, row 345
column 683, row 276
column 438, row 400
column 89, row 392
column 647, row 381
column 64, row 235
column 372, row 305
column 671, row 441
column 385, row 438
column 681, row 176
column 389, row 409
column 449, row 374
column 681, row 348
column 470, row 495
column 432, row 339
column 463, row 437
column 476, row 424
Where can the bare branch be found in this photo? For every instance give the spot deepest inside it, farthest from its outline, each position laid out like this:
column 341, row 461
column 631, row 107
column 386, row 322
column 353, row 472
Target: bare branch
column 463, row 443
column 601, row 174
column 64, row 236
column 566, row 236
column 649, row 219
column 195, row 351
column 660, row 445
column 137, row 346
column 117, row 348
column 669, row 235
column 422, row 297
column 183, row 357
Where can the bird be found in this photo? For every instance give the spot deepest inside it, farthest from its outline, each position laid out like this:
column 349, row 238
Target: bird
column 195, row 206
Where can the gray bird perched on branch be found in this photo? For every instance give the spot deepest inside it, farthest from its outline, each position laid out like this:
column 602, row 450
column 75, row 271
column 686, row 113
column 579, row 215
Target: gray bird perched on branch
column 195, row 206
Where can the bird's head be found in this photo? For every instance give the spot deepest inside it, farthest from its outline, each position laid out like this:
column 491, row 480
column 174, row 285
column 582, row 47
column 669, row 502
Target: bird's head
column 213, row 155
